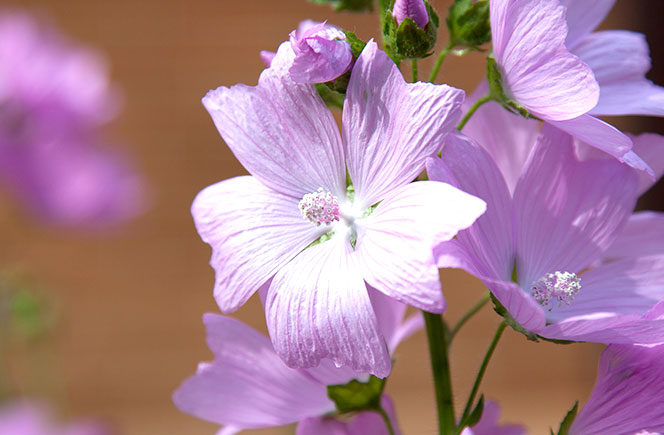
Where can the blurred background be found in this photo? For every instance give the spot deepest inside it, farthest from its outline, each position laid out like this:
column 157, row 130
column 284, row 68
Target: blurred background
column 128, row 301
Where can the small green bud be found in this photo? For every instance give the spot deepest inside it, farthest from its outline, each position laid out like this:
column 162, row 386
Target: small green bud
column 357, row 396
column 348, row 5
column 468, row 23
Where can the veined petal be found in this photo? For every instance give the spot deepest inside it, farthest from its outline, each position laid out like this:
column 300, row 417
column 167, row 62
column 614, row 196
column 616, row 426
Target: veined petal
column 583, row 17
column 318, row 307
column 650, row 147
column 247, row 385
column 390, row 127
column 511, row 148
column 467, row 166
column 390, row 314
column 395, row 244
column 567, row 212
column 253, row 231
column 281, row 131
column 525, row 310
column 627, row 397
column 537, row 69
column 642, row 235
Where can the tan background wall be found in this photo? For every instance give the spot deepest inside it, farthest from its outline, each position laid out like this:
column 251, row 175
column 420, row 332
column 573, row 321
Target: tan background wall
column 131, row 301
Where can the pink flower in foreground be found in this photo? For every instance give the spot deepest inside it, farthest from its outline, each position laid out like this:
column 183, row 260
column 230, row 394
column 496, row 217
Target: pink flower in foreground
column 627, row 398
column 262, row 228
column 53, row 97
column 247, row 386
column 488, row 424
column 552, row 236
column 413, row 9
column 28, row 418
column 541, row 74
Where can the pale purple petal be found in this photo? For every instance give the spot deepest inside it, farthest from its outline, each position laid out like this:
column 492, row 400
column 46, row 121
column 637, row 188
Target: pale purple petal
column 281, row 131
column 247, row 385
column 567, row 212
column 390, row 127
column 321, row 53
column 318, row 307
column 583, row 17
column 413, row 9
column 537, row 70
column 650, row 147
column 518, row 303
column 253, row 230
column 489, row 423
column 642, row 235
column 597, row 133
column 608, row 328
column 363, row 423
column 510, row 148
column 627, row 397
column 469, row 167
column 620, row 60
column 411, row 221
column 267, row 57
column 390, row 314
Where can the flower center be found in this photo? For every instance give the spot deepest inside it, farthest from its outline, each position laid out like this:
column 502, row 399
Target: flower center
column 556, row 287
column 319, row 207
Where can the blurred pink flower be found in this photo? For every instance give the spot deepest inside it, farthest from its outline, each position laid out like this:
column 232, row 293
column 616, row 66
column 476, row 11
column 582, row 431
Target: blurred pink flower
column 488, row 424
column 33, row 418
column 53, row 98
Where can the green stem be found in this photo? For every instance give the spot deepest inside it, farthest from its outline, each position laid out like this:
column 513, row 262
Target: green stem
column 413, row 68
column 439, row 61
column 478, row 306
column 386, row 419
column 472, row 110
column 440, row 366
column 485, row 364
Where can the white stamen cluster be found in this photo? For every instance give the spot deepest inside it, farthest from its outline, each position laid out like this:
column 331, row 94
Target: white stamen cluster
column 556, row 287
column 319, row 207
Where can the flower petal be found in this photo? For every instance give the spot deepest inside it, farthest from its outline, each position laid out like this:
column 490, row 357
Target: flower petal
column 489, row 423
column 566, row 211
column 366, row 422
column 650, row 147
column 537, row 69
column 627, row 397
column 247, row 385
column 390, row 314
column 518, row 303
column 395, row 243
column 642, row 235
column 281, row 131
column 318, row 307
column 390, row 127
column 583, row 17
column 253, row 231
column 472, row 170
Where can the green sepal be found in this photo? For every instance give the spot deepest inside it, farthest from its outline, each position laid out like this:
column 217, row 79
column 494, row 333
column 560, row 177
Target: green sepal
column 474, row 417
column 357, row 396
column 468, row 23
column 408, row 41
column 498, row 94
column 502, row 311
column 348, row 5
column 356, row 44
column 331, row 97
column 554, row 340
column 568, row 420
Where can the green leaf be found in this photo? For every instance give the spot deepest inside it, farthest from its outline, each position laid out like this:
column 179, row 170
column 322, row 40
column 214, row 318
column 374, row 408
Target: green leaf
column 475, row 416
column 331, row 97
column 356, row 395
column 468, row 23
column 356, row 44
column 348, row 5
column 568, row 420
column 502, row 311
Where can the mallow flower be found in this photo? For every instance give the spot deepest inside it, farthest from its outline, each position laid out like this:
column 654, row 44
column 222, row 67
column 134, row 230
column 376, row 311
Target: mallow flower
column 54, row 95
column 23, row 417
column 247, row 386
column 540, row 74
column 627, row 398
column 296, row 229
column 489, row 423
column 542, row 250
column 321, row 53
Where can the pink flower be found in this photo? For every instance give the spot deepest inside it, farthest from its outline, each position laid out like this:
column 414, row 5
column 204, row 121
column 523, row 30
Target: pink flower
column 262, row 228
column 247, row 385
column 416, row 10
column 552, row 236
column 53, row 97
column 33, row 418
column 488, row 424
column 541, row 74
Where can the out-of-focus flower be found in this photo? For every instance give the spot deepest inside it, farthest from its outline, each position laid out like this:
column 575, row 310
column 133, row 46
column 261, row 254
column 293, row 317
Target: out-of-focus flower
column 539, row 73
column 627, row 398
column 247, row 386
column 294, row 225
column 53, row 98
column 488, row 424
column 416, row 10
column 33, row 418
column 541, row 250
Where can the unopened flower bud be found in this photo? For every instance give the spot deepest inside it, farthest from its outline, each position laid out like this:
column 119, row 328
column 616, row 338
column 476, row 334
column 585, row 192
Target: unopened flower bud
column 416, row 10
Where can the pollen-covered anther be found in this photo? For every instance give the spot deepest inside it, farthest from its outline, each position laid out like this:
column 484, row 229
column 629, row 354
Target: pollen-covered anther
column 555, row 287
column 319, row 207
